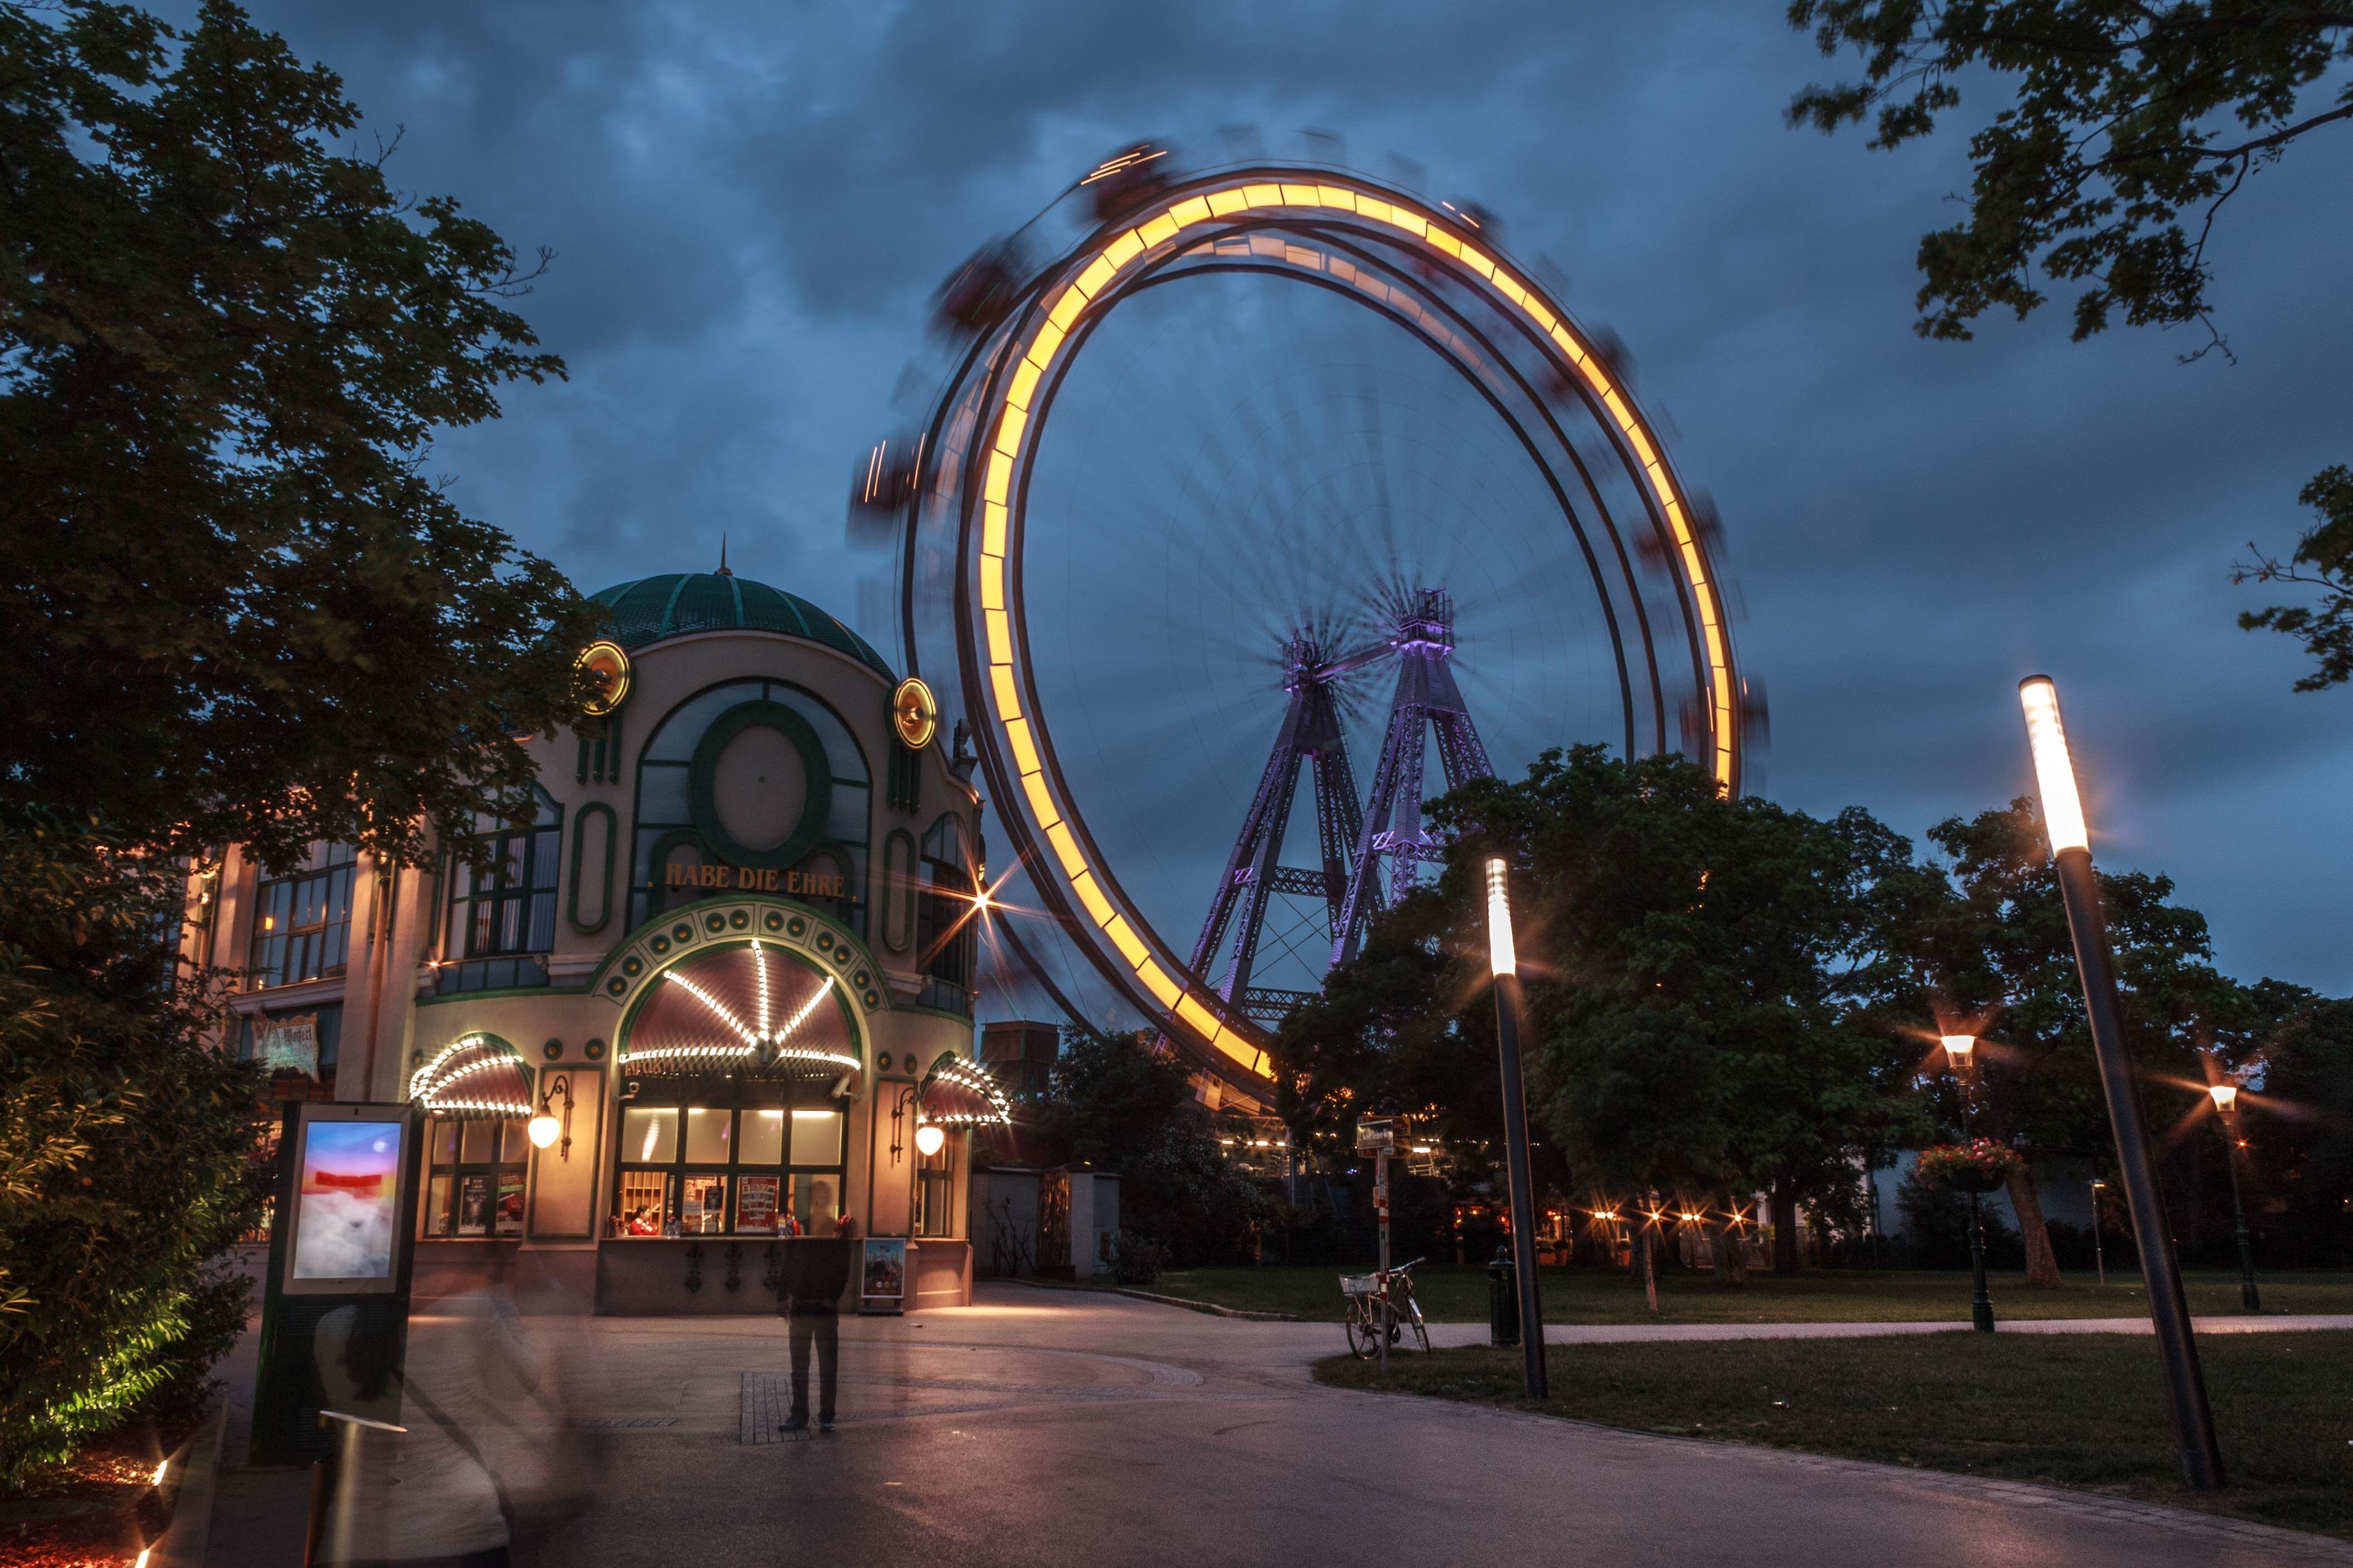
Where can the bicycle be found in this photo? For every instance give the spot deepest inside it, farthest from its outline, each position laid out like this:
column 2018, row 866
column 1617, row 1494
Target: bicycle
column 1364, row 1295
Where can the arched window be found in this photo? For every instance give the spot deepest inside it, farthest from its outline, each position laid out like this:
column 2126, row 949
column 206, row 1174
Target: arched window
column 731, row 1123
column 752, row 776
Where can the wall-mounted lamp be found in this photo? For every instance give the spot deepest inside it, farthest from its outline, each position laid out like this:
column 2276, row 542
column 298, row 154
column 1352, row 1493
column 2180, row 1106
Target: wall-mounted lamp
column 930, row 1139
column 543, row 1127
column 897, row 1119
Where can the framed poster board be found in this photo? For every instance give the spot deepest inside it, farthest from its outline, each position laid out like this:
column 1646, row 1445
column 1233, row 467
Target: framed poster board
column 351, row 1169
column 882, row 1274
column 474, row 1205
column 755, row 1204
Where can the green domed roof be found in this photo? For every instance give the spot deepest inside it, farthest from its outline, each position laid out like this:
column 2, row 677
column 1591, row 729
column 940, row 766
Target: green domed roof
column 652, row 608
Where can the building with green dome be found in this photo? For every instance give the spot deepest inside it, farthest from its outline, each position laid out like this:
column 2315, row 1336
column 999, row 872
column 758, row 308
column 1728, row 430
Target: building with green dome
column 729, row 963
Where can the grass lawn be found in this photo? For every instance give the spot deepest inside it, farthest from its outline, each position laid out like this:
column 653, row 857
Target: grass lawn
column 1454, row 1293
column 2085, row 1411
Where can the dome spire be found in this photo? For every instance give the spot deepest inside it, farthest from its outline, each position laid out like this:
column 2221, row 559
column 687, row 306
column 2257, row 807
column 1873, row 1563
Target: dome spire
column 722, row 557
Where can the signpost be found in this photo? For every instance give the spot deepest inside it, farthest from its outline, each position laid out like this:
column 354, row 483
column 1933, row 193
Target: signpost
column 1377, row 1136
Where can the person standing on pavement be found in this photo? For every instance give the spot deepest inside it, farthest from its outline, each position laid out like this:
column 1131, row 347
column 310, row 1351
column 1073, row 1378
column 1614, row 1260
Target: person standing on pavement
column 817, row 1273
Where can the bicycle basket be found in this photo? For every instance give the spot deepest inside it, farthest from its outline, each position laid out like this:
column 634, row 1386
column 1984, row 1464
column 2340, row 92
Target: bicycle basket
column 1359, row 1284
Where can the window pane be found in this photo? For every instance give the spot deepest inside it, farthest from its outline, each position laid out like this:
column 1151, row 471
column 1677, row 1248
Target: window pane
column 763, row 1137
column 509, row 1221
column 649, row 1137
column 703, row 1206
column 542, row 923
column 662, row 795
column 543, row 859
column 817, row 1137
column 643, row 1199
column 480, row 1144
column 514, row 1143
column 707, row 1136
column 436, row 1207
column 445, row 1139
column 817, row 1204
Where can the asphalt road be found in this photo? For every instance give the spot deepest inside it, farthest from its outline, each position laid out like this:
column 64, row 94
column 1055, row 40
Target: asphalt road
column 1043, row 1428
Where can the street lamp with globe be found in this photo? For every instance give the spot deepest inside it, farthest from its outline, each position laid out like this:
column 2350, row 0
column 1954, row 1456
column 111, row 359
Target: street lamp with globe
column 2226, row 1104
column 1961, row 1051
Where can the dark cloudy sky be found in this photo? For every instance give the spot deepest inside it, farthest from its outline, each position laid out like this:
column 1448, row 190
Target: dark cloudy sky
column 751, row 206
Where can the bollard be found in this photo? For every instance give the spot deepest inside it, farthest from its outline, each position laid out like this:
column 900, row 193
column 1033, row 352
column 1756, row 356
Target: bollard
column 327, row 1473
column 1503, row 1299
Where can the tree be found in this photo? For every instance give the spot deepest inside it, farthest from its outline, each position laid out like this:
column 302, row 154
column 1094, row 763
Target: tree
column 124, row 1136
column 1692, row 964
column 240, row 610
column 2128, row 129
column 2301, row 1126
column 239, row 607
column 2323, row 560
column 1993, row 956
column 1119, row 1107
column 1698, row 1023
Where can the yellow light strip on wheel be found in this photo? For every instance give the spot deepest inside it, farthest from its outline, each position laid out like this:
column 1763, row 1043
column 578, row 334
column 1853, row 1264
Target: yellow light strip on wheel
column 1208, row 1016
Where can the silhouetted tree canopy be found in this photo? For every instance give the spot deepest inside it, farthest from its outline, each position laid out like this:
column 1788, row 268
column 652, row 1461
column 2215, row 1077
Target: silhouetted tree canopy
column 238, row 606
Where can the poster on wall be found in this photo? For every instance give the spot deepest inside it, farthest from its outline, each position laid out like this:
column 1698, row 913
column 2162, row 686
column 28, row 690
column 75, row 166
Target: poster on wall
column 287, row 1045
column 882, row 1275
column 755, row 1204
column 348, row 1200
column 510, row 1202
column 474, row 1205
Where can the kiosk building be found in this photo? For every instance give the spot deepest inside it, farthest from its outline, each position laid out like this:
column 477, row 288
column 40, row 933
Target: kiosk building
column 728, row 963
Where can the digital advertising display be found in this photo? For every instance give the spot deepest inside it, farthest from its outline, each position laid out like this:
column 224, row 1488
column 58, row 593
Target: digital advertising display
column 347, row 1203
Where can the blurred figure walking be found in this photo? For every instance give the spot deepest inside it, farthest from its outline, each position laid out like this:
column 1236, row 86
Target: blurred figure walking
column 817, row 1273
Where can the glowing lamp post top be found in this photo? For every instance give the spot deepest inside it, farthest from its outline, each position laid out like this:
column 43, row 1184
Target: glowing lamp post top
column 1502, row 958
column 2054, row 770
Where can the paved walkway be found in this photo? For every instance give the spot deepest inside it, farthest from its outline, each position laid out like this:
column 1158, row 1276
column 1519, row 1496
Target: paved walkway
column 1050, row 1428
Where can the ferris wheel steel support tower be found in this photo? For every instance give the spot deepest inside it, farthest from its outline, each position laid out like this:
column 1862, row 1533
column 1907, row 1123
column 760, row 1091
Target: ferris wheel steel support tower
column 1430, row 271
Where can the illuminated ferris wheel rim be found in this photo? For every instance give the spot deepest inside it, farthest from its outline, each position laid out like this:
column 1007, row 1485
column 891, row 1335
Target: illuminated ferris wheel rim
column 1020, row 363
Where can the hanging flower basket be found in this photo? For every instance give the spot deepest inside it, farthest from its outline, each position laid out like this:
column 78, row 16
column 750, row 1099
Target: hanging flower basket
column 1981, row 1166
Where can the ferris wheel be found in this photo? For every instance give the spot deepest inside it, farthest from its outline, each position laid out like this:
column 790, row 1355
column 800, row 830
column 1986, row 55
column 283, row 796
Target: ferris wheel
column 1277, row 497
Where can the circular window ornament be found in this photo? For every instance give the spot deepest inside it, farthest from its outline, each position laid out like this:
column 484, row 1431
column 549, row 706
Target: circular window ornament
column 914, row 713
column 721, row 784
column 607, row 666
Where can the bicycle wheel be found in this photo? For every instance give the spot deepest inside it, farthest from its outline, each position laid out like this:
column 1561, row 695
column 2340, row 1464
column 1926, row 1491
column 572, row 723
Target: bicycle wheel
column 1409, row 1314
column 1364, row 1329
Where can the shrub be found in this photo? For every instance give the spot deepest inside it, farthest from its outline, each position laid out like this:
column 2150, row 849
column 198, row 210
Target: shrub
column 124, row 1136
column 1137, row 1259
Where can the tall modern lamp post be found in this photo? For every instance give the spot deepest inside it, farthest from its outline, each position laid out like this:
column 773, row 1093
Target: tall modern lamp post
column 1503, row 960
column 2169, row 1310
column 1961, row 1051
column 2226, row 1104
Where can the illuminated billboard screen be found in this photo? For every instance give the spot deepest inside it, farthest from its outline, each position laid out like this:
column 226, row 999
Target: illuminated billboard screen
column 348, row 1202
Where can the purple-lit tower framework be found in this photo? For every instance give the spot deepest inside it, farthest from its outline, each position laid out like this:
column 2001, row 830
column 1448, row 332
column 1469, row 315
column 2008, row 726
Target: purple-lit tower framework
column 1355, row 841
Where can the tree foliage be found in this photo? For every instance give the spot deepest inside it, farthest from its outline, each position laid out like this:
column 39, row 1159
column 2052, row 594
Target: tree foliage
column 1692, row 965
column 1705, row 958
column 2323, row 560
column 240, row 608
column 2128, row 128
column 124, row 1136
column 1117, row 1106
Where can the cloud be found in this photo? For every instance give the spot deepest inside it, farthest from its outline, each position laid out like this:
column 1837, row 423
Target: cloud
column 752, row 204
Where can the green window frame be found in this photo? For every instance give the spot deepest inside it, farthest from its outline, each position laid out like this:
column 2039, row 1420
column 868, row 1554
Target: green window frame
column 302, row 923
column 672, row 1156
column 472, row 1161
